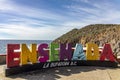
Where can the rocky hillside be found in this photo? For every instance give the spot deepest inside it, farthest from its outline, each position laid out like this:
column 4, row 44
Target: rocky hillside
column 97, row 33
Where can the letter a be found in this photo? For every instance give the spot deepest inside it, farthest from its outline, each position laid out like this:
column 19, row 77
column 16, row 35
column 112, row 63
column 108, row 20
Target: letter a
column 78, row 53
column 107, row 53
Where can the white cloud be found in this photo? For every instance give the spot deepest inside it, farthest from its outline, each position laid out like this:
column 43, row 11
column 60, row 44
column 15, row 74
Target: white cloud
column 21, row 26
column 5, row 5
column 22, row 10
column 27, row 32
column 99, row 12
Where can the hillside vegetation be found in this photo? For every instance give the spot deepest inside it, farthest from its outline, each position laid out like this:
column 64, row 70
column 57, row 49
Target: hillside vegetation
column 96, row 33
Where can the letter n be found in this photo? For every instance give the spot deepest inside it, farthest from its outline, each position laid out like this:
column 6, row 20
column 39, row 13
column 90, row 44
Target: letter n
column 65, row 51
column 107, row 53
column 28, row 55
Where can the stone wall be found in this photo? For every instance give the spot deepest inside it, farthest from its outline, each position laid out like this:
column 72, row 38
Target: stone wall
column 2, row 59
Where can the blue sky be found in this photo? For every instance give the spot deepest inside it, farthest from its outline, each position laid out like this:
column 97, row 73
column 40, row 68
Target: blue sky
column 49, row 19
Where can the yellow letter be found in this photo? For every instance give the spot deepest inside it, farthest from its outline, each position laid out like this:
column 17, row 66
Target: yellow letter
column 28, row 55
column 92, row 52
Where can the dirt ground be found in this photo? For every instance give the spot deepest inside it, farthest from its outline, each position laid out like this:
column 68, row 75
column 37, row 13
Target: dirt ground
column 67, row 73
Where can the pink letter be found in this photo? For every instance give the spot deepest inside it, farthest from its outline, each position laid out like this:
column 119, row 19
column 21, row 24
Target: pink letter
column 44, row 55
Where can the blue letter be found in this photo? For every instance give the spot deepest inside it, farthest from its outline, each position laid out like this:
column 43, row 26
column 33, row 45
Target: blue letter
column 78, row 53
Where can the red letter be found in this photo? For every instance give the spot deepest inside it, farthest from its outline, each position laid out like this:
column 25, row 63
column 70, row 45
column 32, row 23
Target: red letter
column 12, row 57
column 107, row 53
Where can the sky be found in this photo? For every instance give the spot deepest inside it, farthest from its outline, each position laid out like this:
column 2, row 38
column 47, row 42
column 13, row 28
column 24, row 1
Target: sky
column 49, row 19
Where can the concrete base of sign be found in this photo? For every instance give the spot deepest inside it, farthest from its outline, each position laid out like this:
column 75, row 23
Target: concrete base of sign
column 38, row 66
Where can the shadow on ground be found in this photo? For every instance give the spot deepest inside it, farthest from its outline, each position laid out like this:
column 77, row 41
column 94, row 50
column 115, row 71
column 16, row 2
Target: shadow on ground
column 55, row 73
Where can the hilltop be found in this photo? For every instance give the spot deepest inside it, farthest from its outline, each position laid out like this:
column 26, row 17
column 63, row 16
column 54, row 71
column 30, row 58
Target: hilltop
column 96, row 33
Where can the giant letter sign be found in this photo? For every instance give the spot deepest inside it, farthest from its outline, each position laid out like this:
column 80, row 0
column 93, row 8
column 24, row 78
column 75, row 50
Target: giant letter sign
column 79, row 53
column 13, row 57
column 92, row 52
column 44, row 55
column 26, row 54
column 107, row 53
column 65, row 51
column 54, row 52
